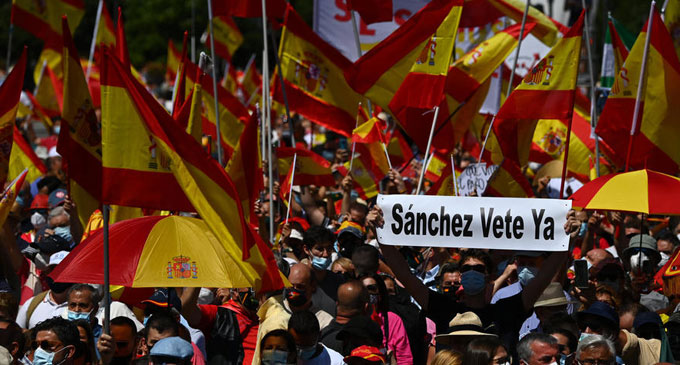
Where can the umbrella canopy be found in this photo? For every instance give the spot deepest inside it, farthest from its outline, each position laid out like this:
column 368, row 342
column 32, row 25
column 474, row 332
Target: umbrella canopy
column 157, row 251
column 643, row 191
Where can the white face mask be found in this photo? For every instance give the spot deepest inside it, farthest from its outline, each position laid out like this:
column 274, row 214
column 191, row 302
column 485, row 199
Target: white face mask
column 664, row 258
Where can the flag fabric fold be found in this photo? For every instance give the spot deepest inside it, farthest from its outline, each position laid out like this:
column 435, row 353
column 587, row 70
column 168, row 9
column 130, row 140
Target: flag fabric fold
column 227, row 37
column 43, row 18
column 23, row 158
column 372, row 11
column 245, row 168
column 546, row 29
column 310, row 168
column 10, row 94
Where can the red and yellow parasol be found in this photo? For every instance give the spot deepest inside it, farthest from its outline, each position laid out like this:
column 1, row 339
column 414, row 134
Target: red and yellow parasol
column 156, row 251
column 642, row 191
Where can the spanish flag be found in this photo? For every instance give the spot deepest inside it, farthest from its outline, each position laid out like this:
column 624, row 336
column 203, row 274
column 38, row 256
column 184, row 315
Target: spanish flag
column 310, row 168
column 9, row 196
column 79, row 139
column 313, row 76
column 10, row 93
column 172, row 63
column 378, row 74
column 37, row 111
column 398, row 148
column 546, row 92
column 370, row 131
column 180, row 88
column 245, row 169
column 546, row 29
column 509, row 181
column 106, row 33
column 654, row 145
column 251, row 83
column 227, row 37
column 248, row 9
column 423, row 87
column 444, row 184
column 204, row 182
column 23, row 158
column 46, row 95
column 121, row 42
column 194, row 125
column 43, row 18
column 233, row 115
column 672, row 20
column 230, row 80
column 131, row 156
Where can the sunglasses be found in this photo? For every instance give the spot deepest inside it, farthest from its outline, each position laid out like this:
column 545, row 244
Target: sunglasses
column 479, row 268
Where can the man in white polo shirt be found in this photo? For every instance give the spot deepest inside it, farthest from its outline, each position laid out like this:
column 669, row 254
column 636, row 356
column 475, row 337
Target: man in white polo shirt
column 46, row 304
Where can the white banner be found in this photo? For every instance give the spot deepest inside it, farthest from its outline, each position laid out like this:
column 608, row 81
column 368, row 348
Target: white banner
column 493, row 223
column 474, row 178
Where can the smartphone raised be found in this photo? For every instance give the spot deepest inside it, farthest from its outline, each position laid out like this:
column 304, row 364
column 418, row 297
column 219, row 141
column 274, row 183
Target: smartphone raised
column 581, row 273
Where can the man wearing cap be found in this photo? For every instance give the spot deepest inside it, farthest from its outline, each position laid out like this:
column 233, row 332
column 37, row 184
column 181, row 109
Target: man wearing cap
column 47, row 304
column 463, row 328
column 552, row 301
column 643, row 256
column 359, row 331
column 171, row 350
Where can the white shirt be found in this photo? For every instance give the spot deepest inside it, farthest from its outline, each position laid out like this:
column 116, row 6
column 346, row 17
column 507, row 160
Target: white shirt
column 45, row 310
column 326, row 357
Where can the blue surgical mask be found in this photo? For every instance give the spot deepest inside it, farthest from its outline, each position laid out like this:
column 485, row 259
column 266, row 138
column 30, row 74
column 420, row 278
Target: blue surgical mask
column 57, row 129
column 274, row 357
column 526, row 274
column 306, row 353
column 74, row 316
column 321, row 263
column 563, row 359
column 64, row 232
column 42, row 357
column 473, row 282
column 583, row 336
column 583, row 229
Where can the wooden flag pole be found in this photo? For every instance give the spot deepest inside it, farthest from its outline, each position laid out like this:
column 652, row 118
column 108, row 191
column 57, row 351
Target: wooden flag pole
column 215, row 93
column 40, row 77
column 519, row 47
column 427, row 150
column 641, row 80
column 93, row 45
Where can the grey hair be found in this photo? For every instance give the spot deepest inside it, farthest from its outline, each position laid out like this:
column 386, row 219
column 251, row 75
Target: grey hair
column 594, row 340
column 57, row 211
column 94, row 293
column 524, row 346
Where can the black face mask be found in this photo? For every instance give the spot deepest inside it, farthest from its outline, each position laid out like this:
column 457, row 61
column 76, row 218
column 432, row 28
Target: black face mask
column 449, row 290
column 413, row 258
column 57, row 287
column 247, row 298
column 123, row 360
column 295, row 297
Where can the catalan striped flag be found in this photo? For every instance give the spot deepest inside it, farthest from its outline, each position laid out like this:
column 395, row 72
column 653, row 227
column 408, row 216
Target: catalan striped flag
column 423, row 86
column 227, row 37
column 79, row 141
column 653, row 146
column 206, row 184
column 233, row 115
column 310, row 168
column 43, row 18
column 546, row 29
column 378, row 74
column 23, row 158
column 245, row 169
column 313, row 77
column 10, row 93
column 546, row 92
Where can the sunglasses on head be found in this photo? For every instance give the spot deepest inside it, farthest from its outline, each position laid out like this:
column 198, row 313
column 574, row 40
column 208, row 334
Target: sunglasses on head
column 479, row 268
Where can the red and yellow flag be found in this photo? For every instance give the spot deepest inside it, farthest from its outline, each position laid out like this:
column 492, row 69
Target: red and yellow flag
column 546, row 92
column 378, row 74
column 43, row 18
column 9, row 196
column 233, row 115
column 398, row 148
column 251, row 84
column 106, row 33
column 310, row 168
column 36, row 110
column 227, row 37
column 370, row 131
column 372, row 11
column 50, row 56
column 79, row 139
column 423, row 87
column 172, row 63
column 509, row 181
column 444, row 184
column 205, row 183
column 23, row 158
column 248, row 9
column 230, row 80
column 654, row 145
column 313, row 76
column 121, row 42
column 179, row 92
column 245, row 169
column 672, row 20
column 10, row 93
column 546, row 29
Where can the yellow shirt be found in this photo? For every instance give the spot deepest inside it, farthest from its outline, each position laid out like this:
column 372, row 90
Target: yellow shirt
column 273, row 316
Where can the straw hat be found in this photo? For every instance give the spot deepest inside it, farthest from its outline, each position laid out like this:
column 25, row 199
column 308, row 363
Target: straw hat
column 552, row 296
column 464, row 324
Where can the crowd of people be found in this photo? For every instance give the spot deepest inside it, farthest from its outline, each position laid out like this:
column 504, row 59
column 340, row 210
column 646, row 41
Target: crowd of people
column 352, row 299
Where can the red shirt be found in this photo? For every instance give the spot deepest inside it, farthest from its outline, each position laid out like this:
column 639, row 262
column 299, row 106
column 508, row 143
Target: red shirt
column 248, row 325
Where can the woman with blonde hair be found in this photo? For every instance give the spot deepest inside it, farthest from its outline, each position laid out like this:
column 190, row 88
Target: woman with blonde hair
column 447, row 357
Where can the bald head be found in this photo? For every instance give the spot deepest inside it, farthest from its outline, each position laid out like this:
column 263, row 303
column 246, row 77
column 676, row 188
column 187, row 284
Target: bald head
column 352, row 299
column 597, row 254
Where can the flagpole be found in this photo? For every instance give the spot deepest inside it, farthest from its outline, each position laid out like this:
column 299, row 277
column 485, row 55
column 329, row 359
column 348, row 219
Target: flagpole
column 387, row 155
column 591, row 69
column 427, row 151
column 193, row 31
column 354, row 144
column 214, row 77
column 290, row 190
column 566, row 159
column 486, row 138
column 519, row 47
column 93, row 44
column 453, row 176
column 283, row 91
column 357, row 42
column 9, row 46
column 40, row 77
column 643, row 68
column 107, row 295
